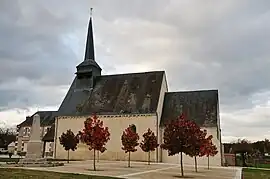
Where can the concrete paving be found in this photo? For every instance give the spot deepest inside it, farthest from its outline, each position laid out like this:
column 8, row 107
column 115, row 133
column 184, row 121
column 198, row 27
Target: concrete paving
column 141, row 170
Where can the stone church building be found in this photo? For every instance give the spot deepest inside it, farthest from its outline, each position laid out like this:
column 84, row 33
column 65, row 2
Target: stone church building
column 120, row 100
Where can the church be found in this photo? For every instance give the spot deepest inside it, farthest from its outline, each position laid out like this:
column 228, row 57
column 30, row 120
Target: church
column 120, row 100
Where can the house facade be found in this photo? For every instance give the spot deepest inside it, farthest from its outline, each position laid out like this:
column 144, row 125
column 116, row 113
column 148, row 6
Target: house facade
column 24, row 131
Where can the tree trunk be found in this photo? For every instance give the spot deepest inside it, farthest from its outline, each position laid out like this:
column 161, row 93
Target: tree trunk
column 181, row 162
column 149, row 158
column 128, row 159
column 94, row 160
column 68, row 157
column 196, row 169
column 244, row 159
column 97, row 156
column 208, row 162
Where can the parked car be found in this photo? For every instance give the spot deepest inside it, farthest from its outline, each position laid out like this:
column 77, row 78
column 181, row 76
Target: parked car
column 3, row 151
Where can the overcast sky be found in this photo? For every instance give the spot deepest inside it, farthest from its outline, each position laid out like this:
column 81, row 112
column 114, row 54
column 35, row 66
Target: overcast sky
column 218, row 44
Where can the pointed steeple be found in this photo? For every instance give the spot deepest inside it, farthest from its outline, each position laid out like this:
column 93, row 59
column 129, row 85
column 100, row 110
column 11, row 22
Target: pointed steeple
column 89, row 49
column 89, row 68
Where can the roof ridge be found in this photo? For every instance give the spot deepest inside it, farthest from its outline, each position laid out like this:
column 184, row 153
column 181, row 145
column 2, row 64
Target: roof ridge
column 135, row 73
column 189, row 91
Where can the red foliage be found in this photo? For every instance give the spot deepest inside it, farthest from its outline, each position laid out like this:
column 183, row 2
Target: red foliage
column 149, row 142
column 179, row 136
column 94, row 134
column 129, row 140
column 208, row 148
column 196, row 140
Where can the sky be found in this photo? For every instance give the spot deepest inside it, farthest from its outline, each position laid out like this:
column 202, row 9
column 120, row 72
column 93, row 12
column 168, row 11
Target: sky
column 206, row 44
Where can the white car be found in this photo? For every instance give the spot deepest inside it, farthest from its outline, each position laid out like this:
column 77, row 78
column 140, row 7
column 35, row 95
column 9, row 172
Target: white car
column 3, row 151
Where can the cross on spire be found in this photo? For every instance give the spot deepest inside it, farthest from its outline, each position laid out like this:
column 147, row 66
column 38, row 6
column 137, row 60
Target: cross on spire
column 91, row 12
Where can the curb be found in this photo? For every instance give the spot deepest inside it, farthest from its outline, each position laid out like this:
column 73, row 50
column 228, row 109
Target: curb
column 238, row 174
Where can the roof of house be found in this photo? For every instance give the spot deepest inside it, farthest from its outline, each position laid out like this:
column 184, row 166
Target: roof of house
column 114, row 94
column 49, row 136
column 46, row 118
column 200, row 106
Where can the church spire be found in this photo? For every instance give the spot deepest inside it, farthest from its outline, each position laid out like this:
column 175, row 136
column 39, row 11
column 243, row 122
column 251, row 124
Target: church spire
column 89, row 68
column 89, row 49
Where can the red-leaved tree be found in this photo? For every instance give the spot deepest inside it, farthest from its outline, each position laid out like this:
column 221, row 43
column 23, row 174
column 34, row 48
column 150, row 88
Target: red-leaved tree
column 130, row 141
column 95, row 135
column 197, row 140
column 69, row 141
column 149, row 143
column 177, row 138
column 208, row 148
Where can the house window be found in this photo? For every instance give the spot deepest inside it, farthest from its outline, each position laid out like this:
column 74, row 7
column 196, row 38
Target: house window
column 27, row 131
column 22, row 146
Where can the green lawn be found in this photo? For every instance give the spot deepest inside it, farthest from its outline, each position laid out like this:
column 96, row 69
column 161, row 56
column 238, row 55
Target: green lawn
column 12, row 173
column 256, row 174
column 263, row 166
column 17, row 159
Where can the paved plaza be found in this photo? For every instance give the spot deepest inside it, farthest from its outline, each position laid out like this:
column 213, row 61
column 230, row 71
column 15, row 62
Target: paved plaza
column 142, row 170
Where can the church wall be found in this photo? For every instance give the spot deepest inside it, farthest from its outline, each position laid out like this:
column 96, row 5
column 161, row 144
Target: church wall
column 163, row 90
column 214, row 161
column 116, row 125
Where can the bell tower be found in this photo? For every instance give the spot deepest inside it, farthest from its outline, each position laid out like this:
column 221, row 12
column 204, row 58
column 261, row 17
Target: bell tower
column 89, row 69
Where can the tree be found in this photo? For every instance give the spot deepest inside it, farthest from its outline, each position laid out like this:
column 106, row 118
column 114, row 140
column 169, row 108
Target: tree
column 178, row 137
column 243, row 147
column 208, row 148
column 69, row 141
column 95, row 135
column 267, row 145
column 7, row 136
column 259, row 146
column 130, row 141
column 149, row 143
column 197, row 140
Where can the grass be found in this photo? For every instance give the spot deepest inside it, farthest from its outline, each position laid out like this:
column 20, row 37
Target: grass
column 262, row 166
column 256, row 174
column 17, row 159
column 12, row 173
column 9, row 159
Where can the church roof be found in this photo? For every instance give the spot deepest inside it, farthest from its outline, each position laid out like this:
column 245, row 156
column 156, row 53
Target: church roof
column 114, row 94
column 201, row 106
column 46, row 119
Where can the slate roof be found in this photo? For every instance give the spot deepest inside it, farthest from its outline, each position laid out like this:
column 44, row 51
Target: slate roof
column 49, row 136
column 83, row 66
column 114, row 94
column 46, row 119
column 201, row 106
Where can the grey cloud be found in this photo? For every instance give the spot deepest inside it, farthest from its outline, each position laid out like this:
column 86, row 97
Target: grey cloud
column 221, row 44
column 33, row 47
